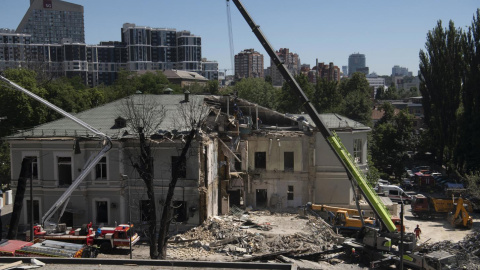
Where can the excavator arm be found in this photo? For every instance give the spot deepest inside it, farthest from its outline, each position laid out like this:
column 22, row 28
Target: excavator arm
column 107, row 145
column 354, row 174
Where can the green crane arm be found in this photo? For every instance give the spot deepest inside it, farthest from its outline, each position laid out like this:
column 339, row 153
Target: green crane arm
column 342, row 154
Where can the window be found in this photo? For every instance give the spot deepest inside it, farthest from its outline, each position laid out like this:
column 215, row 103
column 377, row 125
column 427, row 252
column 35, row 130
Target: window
column 357, row 150
column 393, row 192
column 102, row 212
column 144, row 207
column 64, row 170
column 288, row 161
column 101, row 169
column 238, row 164
column 290, row 193
column 34, row 166
column 36, row 211
column 260, row 160
column 182, row 170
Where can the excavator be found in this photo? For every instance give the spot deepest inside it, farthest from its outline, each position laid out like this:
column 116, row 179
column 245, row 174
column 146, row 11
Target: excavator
column 375, row 244
column 459, row 217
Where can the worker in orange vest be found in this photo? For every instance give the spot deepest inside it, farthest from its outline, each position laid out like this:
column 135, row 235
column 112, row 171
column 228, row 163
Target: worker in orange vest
column 417, row 232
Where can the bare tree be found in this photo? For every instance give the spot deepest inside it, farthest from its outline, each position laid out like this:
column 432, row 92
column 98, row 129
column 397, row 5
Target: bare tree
column 144, row 117
column 192, row 115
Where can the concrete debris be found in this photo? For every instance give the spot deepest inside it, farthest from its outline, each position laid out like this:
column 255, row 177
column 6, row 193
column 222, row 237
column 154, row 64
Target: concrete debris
column 467, row 250
column 243, row 236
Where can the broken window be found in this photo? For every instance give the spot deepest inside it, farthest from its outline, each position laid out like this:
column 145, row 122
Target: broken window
column 260, row 160
column 102, row 212
column 36, row 211
column 64, row 170
column 34, row 166
column 288, row 161
column 144, row 208
column 357, row 150
column 290, row 193
column 180, row 211
column 182, row 170
column 101, row 169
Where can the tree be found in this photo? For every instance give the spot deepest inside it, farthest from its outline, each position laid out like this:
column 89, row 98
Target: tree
column 357, row 97
column 21, row 111
column 392, row 137
column 288, row 101
column 191, row 115
column 145, row 119
column 212, row 87
column 468, row 155
column 327, row 97
column 256, row 90
column 441, row 71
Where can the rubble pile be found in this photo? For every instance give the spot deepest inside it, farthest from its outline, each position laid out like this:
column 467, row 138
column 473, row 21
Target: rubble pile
column 467, row 250
column 241, row 236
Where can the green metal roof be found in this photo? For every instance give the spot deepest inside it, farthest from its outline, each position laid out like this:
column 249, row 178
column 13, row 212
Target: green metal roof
column 103, row 118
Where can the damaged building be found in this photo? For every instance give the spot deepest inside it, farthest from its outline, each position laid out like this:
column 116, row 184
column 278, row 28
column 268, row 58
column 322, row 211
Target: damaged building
column 243, row 155
column 279, row 161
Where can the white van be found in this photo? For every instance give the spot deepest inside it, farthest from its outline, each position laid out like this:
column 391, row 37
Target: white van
column 395, row 193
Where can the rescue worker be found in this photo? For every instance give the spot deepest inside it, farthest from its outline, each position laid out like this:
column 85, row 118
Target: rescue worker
column 417, row 232
column 354, row 256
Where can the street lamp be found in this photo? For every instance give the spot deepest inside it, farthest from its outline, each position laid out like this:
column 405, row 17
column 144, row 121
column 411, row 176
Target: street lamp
column 401, row 234
column 125, row 177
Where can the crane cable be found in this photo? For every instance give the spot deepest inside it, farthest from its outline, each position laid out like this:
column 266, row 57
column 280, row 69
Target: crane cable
column 230, row 37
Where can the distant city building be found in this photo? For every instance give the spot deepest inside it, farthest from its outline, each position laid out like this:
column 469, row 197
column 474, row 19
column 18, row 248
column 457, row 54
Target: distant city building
column 49, row 21
column 141, row 49
column 189, row 52
column 210, row 69
column 328, row 72
column 248, row 64
column 406, row 82
column 291, row 62
column 400, row 71
column 364, row 70
column 375, row 82
column 345, row 70
column 357, row 62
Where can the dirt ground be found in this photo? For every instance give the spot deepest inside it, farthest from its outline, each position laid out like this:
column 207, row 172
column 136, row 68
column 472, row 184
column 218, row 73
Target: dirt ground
column 437, row 230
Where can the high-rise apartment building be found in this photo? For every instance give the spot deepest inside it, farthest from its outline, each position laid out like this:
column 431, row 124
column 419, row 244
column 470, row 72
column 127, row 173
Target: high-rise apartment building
column 142, row 48
column 356, row 62
column 49, row 21
column 189, row 52
column 150, row 48
column 248, row 64
column 291, row 62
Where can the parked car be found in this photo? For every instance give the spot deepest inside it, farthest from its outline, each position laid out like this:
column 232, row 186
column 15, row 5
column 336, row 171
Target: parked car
column 407, row 184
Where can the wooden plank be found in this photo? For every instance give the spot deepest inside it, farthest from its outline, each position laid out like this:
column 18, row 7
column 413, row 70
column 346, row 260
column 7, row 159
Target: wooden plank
column 10, row 265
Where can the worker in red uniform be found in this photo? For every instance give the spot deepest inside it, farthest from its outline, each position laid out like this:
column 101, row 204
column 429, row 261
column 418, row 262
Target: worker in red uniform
column 417, row 232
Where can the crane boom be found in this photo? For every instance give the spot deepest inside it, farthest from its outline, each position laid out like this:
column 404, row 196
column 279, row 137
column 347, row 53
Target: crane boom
column 107, row 145
column 353, row 172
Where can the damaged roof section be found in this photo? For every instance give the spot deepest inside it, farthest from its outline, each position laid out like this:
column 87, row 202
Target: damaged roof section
column 273, row 120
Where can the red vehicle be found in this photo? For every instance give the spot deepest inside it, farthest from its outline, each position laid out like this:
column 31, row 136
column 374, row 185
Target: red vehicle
column 424, row 181
column 106, row 238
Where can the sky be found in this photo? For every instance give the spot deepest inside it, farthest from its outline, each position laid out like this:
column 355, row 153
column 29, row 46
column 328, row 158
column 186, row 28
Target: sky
column 388, row 33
